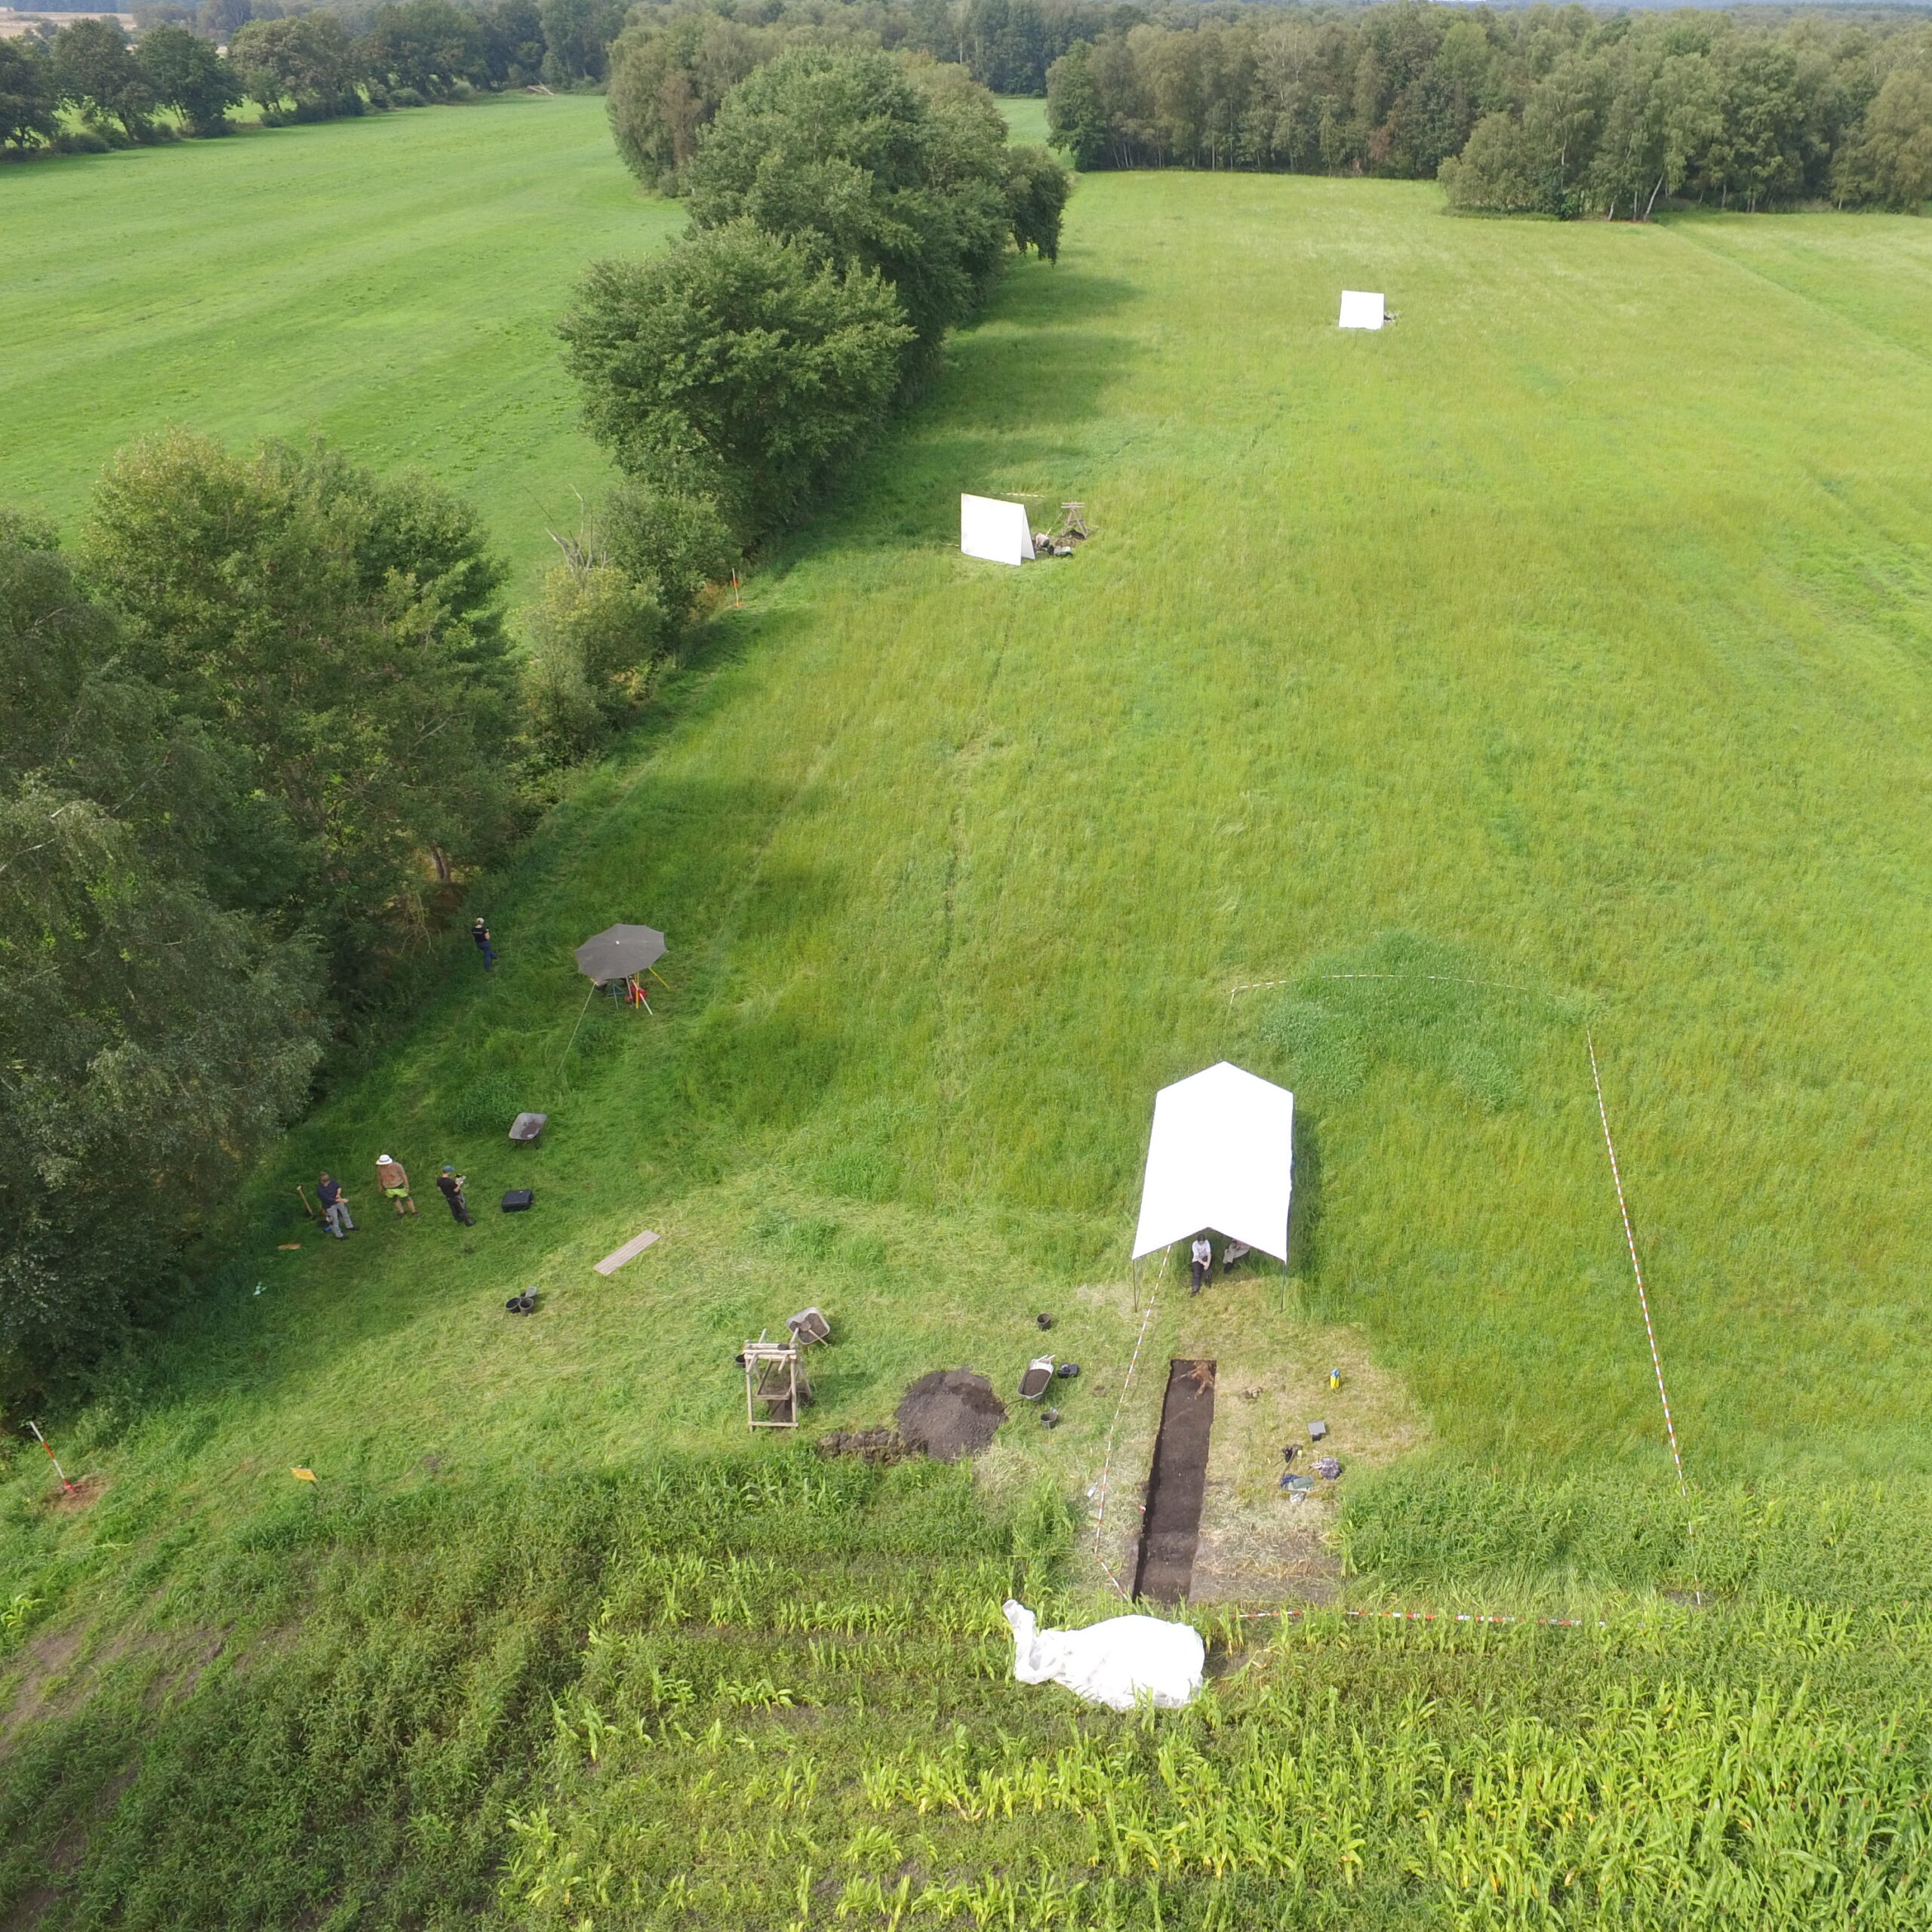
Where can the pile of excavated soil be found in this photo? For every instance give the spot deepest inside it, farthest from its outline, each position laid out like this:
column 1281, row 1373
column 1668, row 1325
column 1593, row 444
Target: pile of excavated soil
column 949, row 1413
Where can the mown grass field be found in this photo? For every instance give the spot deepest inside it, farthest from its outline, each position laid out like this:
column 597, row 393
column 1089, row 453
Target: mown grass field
column 392, row 283
column 1570, row 634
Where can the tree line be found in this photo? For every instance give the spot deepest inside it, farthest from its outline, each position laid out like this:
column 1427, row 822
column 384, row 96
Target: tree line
column 1555, row 110
column 202, row 63
column 306, row 62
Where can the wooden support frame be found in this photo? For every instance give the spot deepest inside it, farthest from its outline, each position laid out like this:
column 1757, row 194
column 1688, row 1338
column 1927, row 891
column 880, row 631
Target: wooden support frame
column 772, row 1377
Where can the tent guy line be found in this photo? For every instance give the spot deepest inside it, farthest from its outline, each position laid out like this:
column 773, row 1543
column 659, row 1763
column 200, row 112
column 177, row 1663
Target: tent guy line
column 1107, row 1457
column 1630, row 1241
column 1440, row 979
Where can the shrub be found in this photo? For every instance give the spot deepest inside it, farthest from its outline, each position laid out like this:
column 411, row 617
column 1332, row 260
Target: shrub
column 1494, row 174
column 736, row 355
column 592, row 641
column 666, row 531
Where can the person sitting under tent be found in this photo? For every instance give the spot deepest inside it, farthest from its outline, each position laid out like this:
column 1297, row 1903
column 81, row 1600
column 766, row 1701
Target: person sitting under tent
column 1203, row 1254
column 1235, row 1250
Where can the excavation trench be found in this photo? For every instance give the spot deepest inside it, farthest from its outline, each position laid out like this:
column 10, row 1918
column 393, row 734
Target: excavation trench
column 1171, row 1526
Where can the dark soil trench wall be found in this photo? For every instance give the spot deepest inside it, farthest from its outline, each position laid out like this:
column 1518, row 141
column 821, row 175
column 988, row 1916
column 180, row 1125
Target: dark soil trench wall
column 1171, row 1526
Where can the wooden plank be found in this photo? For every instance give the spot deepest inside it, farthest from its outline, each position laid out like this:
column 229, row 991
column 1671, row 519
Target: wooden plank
column 631, row 1250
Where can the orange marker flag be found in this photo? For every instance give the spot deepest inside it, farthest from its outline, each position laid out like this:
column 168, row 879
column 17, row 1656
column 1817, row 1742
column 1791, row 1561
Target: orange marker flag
column 303, row 1475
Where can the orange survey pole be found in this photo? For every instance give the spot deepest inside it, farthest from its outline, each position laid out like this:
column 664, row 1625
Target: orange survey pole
column 52, row 1458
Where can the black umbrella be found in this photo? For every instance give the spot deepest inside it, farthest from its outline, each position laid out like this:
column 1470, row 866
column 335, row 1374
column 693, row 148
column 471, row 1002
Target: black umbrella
column 618, row 953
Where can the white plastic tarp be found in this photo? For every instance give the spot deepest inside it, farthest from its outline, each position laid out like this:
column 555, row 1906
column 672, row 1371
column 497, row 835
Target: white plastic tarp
column 1360, row 310
column 1116, row 1663
column 989, row 527
column 1221, row 1156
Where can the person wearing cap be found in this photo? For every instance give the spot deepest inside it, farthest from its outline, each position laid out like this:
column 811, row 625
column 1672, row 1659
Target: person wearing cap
column 480, row 933
column 394, row 1183
column 451, row 1182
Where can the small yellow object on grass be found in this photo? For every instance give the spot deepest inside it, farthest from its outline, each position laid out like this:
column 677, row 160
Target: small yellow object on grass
column 289, row 1248
column 303, row 1475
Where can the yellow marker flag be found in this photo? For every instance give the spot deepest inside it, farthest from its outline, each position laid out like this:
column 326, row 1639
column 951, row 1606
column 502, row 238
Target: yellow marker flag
column 303, row 1475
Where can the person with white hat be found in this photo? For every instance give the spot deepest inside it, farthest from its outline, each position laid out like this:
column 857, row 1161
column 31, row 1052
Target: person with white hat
column 395, row 1184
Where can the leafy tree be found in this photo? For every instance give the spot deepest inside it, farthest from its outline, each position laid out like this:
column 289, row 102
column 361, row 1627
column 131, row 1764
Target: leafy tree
column 94, row 68
column 71, row 717
column 667, row 79
column 577, row 35
column 149, row 1041
column 343, row 632
column 1077, row 121
column 1496, row 171
column 593, row 639
column 1889, row 163
column 1037, row 186
column 738, row 359
column 221, row 20
column 427, row 47
column 308, row 60
column 865, row 167
column 665, row 530
column 512, row 33
column 30, row 110
column 150, row 1046
column 186, row 73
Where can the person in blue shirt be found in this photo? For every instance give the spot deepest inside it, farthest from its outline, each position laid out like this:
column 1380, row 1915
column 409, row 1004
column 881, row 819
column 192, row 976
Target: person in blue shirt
column 335, row 1206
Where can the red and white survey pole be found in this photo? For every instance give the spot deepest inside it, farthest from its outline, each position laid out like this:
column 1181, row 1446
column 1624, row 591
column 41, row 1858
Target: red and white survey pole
column 52, row 1458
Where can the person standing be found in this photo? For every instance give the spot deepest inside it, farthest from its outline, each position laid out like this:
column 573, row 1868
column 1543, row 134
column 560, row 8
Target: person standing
column 335, row 1206
column 480, row 933
column 394, row 1182
column 451, row 1182
column 1203, row 1252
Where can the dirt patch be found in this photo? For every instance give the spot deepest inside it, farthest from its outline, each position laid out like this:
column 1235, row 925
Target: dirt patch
column 877, row 1446
column 950, row 1412
column 86, row 1491
column 46, row 1660
column 1257, row 1545
column 1171, row 1527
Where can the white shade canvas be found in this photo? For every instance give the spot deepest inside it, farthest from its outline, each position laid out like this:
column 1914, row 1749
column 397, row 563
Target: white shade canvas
column 1221, row 1155
column 1360, row 310
column 989, row 527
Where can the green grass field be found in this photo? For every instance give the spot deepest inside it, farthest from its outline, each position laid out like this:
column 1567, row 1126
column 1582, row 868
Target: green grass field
column 1571, row 634
column 392, row 283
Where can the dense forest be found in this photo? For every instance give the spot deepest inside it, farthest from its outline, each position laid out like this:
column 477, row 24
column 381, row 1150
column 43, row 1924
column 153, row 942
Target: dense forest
column 1560, row 111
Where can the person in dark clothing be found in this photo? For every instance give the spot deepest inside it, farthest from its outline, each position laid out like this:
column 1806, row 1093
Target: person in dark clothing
column 480, row 933
column 335, row 1206
column 451, row 1182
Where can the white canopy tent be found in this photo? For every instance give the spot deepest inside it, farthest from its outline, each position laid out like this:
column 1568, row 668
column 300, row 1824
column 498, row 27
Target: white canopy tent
column 989, row 527
column 1221, row 1156
column 1360, row 310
